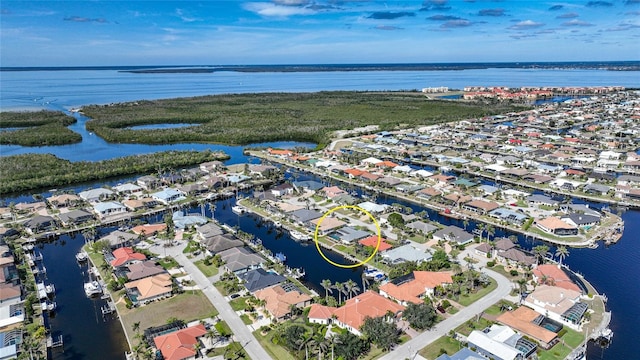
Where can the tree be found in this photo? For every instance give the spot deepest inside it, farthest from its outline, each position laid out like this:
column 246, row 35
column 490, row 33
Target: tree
column 348, row 346
column 490, row 231
column 326, row 284
column 561, row 253
column 465, row 223
column 349, row 286
column 339, row 286
column 380, row 332
column 396, row 220
column 480, row 228
column 420, row 316
column 541, row 251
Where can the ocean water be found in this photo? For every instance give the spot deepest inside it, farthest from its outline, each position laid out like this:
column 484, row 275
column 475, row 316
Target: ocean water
column 613, row 270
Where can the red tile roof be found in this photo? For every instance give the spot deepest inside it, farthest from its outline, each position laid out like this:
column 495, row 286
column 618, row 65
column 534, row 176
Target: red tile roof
column 124, row 255
column 411, row 290
column 373, row 241
column 179, row 345
column 555, row 276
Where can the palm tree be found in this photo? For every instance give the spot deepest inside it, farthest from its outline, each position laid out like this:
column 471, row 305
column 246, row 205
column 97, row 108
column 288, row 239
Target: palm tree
column 490, row 231
column 212, row 208
column 334, row 340
column 465, row 223
column 365, row 282
column 562, row 252
column 541, row 251
column 326, row 284
column 196, row 347
column 480, row 228
column 348, row 287
column 136, row 326
column 339, row 286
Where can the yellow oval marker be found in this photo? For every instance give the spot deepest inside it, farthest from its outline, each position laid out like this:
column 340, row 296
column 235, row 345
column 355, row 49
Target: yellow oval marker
column 315, row 236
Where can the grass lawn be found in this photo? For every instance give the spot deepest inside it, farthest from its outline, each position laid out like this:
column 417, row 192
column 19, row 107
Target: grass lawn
column 418, row 238
column 446, row 343
column 300, row 286
column 569, row 341
column 495, row 308
column 191, row 246
column 374, row 353
column 187, row 306
column 168, row 263
column 223, row 328
column 207, row 270
column 470, row 299
column 471, row 325
column 276, row 351
column 231, row 351
column 239, row 303
column 245, row 319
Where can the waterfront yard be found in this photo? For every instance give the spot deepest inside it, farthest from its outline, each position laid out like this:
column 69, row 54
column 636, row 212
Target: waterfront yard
column 188, row 306
column 569, row 341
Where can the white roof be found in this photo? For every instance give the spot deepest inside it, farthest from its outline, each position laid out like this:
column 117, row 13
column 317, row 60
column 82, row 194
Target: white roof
column 403, row 168
column 372, row 207
column 94, row 193
column 482, row 340
column 127, row 187
column 514, row 192
column 496, row 167
column 421, row 172
column 371, row 160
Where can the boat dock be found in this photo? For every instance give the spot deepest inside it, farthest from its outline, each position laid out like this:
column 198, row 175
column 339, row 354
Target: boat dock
column 55, row 342
column 109, row 308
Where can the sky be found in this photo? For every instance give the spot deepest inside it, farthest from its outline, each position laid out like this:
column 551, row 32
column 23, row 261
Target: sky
column 227, row 32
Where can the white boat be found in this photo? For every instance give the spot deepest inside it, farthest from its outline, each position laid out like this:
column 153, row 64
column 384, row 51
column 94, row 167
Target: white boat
column 239, row 210
column 48, row 306
column 49, row 289
column 277, row 224
column 82, row 256
column 92, row 288
column 296, row 235
column 374, row 274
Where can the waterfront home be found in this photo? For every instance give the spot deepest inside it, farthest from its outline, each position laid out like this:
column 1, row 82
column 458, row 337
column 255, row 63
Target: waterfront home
column 39, row 223
column 11, row 306
column 278, row 301
column 279, row 153
column 537, row 200
column 75, row 217
column 328, row 225
column 552, row 274
column 423, row 227
column 415, row 287
column 258, row 279
column 128, row 189
column 453, row 233
column 405, row 253
column 462, row 354
column 555, row 226
column 282, row 190
column 559, row 304
column 516, row 257
column 527, row 322
column 352, row 314
column 64, row 200
column 511, row 217
column 141, row 270
column 148, row 182
column 119, row 238
column 182, row 220
column 347, row 234
column 500, row 343
column 6, row 233
column 308, row 185
column 124, row 256
column 168, row 196
column 212, row 166
column 239, row 260
column 483, row 249
column 333, row 191
column 193, row 189
column 109, row 208
column 27, row 208
column 148, row 230
column 304, row 216
column 581, row 220
column 429, row 193
column 373, row 207
column 262, row 170
column 480, row 206
column 180, row 345
column 96, row 195
column 597, row 189
column 209, row 230
column 421, row 173
column 219, row 243
column 629, row 180
column 148, row 289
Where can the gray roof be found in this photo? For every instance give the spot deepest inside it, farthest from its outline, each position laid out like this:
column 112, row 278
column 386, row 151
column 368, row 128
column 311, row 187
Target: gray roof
column 463, row 354
column 537, row 198
column 422, row 226
column 454, row 233
column 259, row 279
column 240, row 258
column 310, row 184
column 349, row 234
column 597, row 187
column 75, row 215
column 504, row 244
column 518, row 256
column 406, row 253
column 39, row 221
column 209, row 230
column 219, row 243
column 95, row 193
column 119, row 238
column 304, row 215
column 582, row 219
column 143, row 269
column 508, row 215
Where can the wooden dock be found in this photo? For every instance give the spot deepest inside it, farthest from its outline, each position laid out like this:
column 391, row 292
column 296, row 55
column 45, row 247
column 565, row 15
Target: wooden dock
column 55, row 343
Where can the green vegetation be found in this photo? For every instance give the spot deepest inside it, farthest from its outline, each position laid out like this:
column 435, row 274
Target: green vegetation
column 35, row 171
column 569, row 341
column 468, row 299
column 207, row 270
column 41, row 128
column 441, row 346
column 420, row 316
column 251, row 118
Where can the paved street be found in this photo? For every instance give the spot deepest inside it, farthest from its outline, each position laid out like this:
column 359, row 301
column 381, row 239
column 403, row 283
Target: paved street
column 409, row 349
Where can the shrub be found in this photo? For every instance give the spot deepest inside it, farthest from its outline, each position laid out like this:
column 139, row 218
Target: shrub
column 513, row 272
column 491, row 263
column 445, row 304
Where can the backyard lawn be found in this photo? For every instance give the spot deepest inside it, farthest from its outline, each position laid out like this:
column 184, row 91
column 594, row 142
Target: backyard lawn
column 470, row 299
column 276, row 351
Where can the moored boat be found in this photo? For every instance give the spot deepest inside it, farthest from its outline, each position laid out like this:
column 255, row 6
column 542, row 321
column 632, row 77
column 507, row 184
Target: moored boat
column 297, row 235
column 82, row 256
column 92, row 288
column 238, row 210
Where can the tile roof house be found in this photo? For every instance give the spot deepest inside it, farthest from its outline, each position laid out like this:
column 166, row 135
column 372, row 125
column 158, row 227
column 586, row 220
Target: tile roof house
column 143, row 269
column 554, row 275
column 278, row 301
column 554, row 225
column 352, row 314
column 526, row 320
column 414, row 287
column 64, row 200
column 149, row 229
column 373, row 242
column 148, row 289
column 562, row 305
column 327, row 225
column 124, row 256
column 481, row 206
column 405, row 253
column 453, row 233
column 333, row 191
column 180, row 345
column 95, row 195
column 239, row 260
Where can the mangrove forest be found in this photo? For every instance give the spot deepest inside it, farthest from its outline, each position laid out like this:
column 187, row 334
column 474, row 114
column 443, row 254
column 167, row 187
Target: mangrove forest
column 37, row 128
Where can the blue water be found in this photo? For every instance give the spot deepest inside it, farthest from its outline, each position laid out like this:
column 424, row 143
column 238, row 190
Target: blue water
column 612, row 270
column 160, row 126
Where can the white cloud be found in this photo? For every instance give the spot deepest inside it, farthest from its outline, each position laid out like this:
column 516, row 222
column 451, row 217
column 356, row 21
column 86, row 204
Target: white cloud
column 274, row 10
column 526, row 24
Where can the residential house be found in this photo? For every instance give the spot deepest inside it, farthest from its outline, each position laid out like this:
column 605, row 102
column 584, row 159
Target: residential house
column 239, row 260
column 552, row 274
column 149, row 289
column 168, row 196
column 125, row 256
column 581, row 221
column 194, row 189
column 500, row 343
column 303, row 216
column 537, row 199
column 352, row 314
column 282, row 189
column 527, row 322
column 463, row 354
column 181, row 344
column 348, row 235
column 39, row 223
column 75, row 217
column 148, row 182
column 262, row 170
column 142, row 269
column 148, row 230
column 219, row 243
column 453, row 233
column 516, row 257
column 509, row 216
column 128, row 189
column 327, row 225
column 480, row 206
column 279, row 299
column 64, row 200
column 413, row 288
column 423, row 227
column 333, row 191
column 258, row 279
column 119, row 238
column 372, row 241
column 109, row 208
column 556, row 226
column 96, row 195
column 405, row 253
column 559, row 304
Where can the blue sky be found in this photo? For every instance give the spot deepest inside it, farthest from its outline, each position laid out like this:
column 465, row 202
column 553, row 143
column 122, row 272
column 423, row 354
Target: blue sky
column 77, row 33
